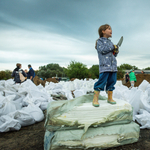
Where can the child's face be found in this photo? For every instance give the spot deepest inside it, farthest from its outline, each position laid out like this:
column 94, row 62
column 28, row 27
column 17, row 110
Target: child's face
column 107, row 33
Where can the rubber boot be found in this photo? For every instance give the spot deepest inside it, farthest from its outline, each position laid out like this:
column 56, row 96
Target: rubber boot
column 110, row 100
column 95, row 99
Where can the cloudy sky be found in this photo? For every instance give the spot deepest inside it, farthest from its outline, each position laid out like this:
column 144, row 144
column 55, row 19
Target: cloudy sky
column 39, row 32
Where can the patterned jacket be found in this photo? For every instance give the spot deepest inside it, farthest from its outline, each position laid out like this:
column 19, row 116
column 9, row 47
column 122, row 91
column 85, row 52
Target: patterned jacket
column 107, row 61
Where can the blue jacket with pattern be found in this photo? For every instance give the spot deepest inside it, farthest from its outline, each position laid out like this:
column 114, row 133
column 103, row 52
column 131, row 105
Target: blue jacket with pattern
column 107, row 61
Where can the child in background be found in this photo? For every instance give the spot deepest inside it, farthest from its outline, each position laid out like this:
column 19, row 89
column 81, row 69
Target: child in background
column 107, row 52
column 132, row 78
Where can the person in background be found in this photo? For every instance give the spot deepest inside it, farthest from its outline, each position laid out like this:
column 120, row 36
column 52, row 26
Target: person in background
column 31, row 73
column 59, row 79
column 26, row 71
column 127, row 77
column 132, row 78
column 142, row 72
column 18, row 74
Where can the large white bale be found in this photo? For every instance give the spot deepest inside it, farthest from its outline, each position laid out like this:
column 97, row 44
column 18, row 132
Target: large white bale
column 80, row 113
column 94, row 138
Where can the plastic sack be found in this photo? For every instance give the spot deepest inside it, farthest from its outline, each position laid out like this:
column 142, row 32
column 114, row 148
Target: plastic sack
column 8, row 124
column 34, row 111
column 8, row 105
column 136, row 103
column 143, row 85
column 79, row 93
column 143, row 118
column 22, row 117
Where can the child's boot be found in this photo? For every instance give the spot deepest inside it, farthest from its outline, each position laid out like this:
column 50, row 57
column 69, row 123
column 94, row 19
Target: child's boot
column 95, row 99
column 110, row 100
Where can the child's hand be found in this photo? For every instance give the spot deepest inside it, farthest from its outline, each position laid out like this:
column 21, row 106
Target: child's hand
column 116, row 50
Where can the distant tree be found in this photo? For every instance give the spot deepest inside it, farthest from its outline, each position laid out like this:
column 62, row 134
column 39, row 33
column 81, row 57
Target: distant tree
column 120, row 73
column 77, row 70
column 8, row 74
column 148, row 68
column 94, row 71
column 128, row 67
column 135, row 68
column 4, row 75
column 36, row 71
column 50, row 70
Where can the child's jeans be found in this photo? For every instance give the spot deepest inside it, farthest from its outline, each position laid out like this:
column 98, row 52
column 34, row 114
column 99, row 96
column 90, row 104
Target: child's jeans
column 106, row 78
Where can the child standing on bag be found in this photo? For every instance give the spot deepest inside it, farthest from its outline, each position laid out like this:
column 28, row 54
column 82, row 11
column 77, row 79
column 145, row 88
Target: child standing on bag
column 107, row 53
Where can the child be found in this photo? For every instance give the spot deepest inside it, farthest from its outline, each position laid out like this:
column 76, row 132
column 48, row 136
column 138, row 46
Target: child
column 107, row 52
column 132, row 78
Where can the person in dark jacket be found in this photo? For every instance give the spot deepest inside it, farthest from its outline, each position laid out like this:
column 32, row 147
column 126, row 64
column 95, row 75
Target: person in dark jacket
column 107, row 53
column 127, row 77
column 18, row 74
column 31, row 73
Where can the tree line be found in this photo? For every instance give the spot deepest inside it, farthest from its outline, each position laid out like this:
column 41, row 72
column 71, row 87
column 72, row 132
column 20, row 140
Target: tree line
column 73, row 70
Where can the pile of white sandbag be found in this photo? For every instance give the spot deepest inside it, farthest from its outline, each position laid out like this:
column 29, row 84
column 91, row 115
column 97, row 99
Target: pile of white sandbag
column 21, row 104
column 77, row 124
column 139, row 98
column 17, row 100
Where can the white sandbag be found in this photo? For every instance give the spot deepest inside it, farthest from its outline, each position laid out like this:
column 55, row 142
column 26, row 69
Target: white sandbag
column 145, row 100
column 43, row 105
column 28, row 84
column 121, row 92
column 68, row 94
column 143, row 118
column 143, row 85
column 8, row 92
column 8, row 124
column 136, row 103
column 8, row 105
column 34, row 111
column 24, row 118
column 40, row 87
column 118, row 83
column 78, row 84
column 148, row 87
column 2, row 83
column 71, row 86
column 80, row 92
column 1, row 88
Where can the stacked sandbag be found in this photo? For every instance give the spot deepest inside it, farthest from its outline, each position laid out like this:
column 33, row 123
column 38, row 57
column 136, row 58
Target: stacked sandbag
column 76, row 124
column 21, row 104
